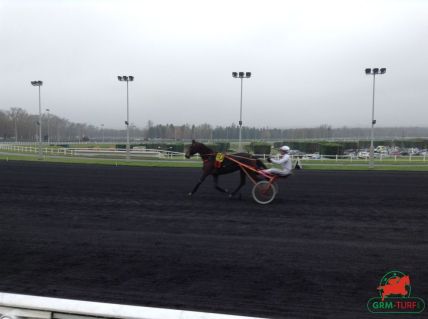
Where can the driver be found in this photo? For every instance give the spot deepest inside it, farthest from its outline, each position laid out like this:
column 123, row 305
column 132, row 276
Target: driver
column 284, row 160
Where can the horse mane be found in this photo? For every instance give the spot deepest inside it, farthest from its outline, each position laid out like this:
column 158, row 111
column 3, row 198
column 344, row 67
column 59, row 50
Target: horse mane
column 203, row 149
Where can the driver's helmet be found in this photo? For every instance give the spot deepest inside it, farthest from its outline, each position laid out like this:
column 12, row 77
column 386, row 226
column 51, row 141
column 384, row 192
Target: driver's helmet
column 285, row 148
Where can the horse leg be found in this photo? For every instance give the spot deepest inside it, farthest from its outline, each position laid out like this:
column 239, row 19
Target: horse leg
column 241, row 184
column 223, row 190
column 201, row 180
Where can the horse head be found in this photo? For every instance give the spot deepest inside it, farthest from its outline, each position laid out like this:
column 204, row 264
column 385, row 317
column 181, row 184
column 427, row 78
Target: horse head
column 191, row 150
column 406, row 280
column 197, row 147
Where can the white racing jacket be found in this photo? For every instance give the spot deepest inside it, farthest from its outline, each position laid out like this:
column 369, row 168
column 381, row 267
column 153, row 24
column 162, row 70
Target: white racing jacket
column 285, row 162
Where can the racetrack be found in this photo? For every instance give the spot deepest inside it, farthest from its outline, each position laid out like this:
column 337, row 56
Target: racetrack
column 130, row 235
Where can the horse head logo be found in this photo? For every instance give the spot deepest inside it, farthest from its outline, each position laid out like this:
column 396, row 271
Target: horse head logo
column 394, row 295
column 394, row 284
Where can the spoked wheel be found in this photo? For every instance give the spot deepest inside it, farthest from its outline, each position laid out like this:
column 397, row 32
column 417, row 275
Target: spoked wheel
column 264, row 192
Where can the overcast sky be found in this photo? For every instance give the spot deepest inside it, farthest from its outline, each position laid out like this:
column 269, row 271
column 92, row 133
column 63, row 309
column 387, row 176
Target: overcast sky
column 307, row 59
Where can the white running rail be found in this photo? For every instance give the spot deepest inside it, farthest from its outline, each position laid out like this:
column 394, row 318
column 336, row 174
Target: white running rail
column 88, row 152
column 15, row 306
column 163, row 154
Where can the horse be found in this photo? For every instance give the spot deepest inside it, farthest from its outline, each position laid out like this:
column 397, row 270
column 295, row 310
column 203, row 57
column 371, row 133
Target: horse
column 227, row 166
column 395, row 286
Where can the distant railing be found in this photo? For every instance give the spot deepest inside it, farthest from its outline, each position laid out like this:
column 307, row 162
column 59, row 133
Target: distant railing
column 350, row 158
column 92, row 152
column 165, row 154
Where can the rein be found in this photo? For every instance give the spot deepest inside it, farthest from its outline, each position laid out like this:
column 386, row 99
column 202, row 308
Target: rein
column 226, row 156
column 206, row 158
column 248, row 167
column 240, row 164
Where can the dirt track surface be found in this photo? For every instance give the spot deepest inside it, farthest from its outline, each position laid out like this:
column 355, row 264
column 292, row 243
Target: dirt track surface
column 130, row 235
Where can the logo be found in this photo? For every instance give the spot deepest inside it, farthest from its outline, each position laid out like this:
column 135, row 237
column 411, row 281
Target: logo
column 219, row 158
column 395, row 295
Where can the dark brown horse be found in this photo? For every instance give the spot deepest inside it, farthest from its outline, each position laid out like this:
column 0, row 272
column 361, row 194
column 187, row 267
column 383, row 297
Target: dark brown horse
column 210, row 167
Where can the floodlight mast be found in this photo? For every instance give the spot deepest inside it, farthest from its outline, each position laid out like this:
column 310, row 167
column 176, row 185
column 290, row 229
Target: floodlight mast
column 127, row 79
column 102, row 132
column 242, row 76
column 49, row 136
column 374, row 72
column 39, row 123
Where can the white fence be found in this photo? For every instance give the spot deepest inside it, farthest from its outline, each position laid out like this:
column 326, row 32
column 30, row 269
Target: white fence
column 92, row 152
column 163, row 154
column 14, row 306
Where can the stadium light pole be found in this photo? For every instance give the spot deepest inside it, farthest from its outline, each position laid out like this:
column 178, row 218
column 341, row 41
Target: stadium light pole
column 374, row 72
column 15, row 118
column 127, row 79
column 242, row 76
column 39, row 123
column 102, row 132
column 49, row 136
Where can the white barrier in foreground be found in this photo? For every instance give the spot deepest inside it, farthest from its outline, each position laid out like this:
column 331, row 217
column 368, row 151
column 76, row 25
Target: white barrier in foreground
column 34, row 307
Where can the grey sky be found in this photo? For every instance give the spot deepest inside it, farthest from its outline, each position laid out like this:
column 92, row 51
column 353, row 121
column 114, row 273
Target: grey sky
column 307, row 59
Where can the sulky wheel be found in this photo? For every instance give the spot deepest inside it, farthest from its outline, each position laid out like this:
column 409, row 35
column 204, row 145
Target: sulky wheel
column 276, row 186
column 264, row 192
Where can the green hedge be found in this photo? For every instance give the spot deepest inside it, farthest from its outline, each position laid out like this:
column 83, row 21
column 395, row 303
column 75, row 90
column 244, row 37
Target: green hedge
column 177, row 147
column 219, row 147
column 259, row 148
column 223, row 146
column 331, row 149
column 349, row 145
column 307, row 147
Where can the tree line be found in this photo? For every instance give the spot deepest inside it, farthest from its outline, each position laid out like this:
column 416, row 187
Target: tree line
column 16, row 124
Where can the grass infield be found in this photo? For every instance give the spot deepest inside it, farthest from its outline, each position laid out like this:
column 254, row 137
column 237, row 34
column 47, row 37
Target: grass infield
column 98, row 161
